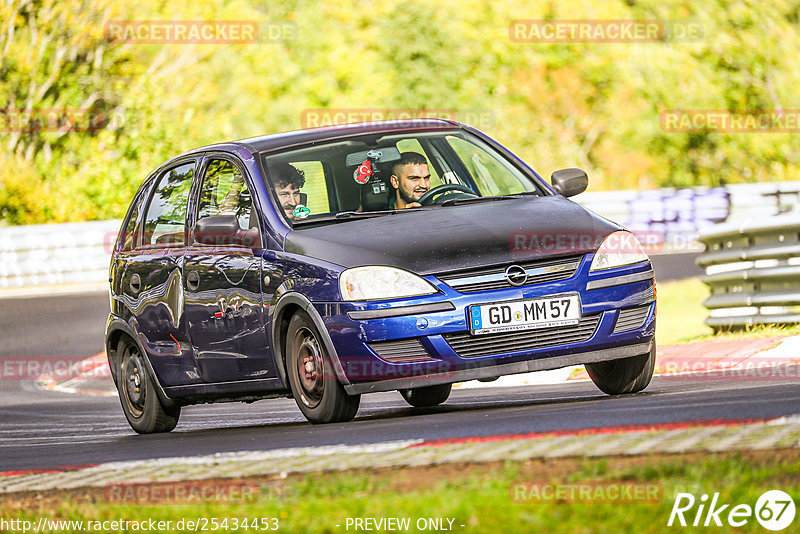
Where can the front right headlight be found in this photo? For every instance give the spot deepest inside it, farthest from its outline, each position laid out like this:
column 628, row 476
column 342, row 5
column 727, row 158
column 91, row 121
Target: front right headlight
column 376, row 282
column 617, row 250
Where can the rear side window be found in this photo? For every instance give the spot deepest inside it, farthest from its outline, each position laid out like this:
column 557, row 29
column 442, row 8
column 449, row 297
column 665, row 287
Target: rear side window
column 165, row 221
column 225, row 192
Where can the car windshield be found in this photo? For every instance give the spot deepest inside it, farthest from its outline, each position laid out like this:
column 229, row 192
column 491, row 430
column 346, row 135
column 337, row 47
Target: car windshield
column 378, row 174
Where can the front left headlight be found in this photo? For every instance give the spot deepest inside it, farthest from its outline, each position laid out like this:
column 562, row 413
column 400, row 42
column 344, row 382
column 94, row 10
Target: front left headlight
column 380, row 282
column 617, row 250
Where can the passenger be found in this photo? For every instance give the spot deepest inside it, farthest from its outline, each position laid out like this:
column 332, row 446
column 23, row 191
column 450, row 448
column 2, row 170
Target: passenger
column 287, row 181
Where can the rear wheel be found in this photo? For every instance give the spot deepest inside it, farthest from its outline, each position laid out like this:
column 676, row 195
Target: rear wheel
column 137, row 394
column 627, row 375
column 315, row 388
column 427, row 396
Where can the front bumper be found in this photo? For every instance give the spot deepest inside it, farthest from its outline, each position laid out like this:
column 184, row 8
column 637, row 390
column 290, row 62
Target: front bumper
column 433, row 332
column 492, row 371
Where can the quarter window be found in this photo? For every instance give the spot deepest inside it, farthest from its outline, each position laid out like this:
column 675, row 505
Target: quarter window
column 130, row 231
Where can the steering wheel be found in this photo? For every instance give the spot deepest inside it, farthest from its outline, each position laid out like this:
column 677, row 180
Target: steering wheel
column 427, row 198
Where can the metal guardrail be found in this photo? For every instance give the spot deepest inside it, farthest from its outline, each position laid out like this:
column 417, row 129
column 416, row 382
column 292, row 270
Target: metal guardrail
column 45, row 254
column 753, row 271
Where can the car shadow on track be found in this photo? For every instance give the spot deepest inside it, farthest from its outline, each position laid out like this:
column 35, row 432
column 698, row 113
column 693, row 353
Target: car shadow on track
column 488, row 405
column 386, row 411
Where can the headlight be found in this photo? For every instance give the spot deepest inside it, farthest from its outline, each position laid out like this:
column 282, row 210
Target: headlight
column 618, row 249
column 376, row 282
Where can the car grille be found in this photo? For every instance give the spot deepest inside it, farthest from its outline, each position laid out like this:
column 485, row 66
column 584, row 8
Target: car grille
column 401, row 351
column 631, row 318
column 493, row 277
column 469, row 346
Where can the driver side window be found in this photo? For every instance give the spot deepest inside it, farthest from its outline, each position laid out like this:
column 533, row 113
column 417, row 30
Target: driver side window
column 488, row 173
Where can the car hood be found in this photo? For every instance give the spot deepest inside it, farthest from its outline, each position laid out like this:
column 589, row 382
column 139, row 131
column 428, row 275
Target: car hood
column 457, row 237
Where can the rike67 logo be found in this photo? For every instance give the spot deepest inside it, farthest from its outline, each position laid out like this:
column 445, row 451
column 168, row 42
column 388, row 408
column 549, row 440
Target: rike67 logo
column 774, row 510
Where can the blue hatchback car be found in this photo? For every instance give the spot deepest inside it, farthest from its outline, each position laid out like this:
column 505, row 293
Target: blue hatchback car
column 327, row 263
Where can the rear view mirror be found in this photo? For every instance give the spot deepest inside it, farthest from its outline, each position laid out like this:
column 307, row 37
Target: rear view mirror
column 224, row 230
column 386, row 155
column 569, row 182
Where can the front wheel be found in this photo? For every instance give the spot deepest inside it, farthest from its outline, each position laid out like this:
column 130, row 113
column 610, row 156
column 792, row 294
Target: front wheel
column 627, row 375
column 427, row 396
column 315, row 388
column 137, row 393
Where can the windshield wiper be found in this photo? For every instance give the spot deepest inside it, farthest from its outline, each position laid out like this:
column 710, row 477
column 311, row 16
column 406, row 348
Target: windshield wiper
column 342, row 216
column 455, row 201
column 348, row 214
column 345, row 215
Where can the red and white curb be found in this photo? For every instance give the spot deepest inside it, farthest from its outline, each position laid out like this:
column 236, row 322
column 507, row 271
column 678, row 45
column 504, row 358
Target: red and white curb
column 740, row 357
column 708, row 436
column 94, row 378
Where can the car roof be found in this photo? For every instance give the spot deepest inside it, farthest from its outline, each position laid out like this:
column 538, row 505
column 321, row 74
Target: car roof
column 297, row 137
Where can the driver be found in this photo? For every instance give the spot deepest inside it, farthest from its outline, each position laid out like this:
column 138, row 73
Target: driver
column 410, row 179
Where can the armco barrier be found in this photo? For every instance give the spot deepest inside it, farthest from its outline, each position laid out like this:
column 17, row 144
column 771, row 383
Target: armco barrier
column 56, row 253
column 753, row 271
column 79, row 252
column 677, row 215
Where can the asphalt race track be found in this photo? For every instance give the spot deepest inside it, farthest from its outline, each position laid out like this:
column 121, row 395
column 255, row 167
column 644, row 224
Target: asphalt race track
column 42, row 429
column 50, row 430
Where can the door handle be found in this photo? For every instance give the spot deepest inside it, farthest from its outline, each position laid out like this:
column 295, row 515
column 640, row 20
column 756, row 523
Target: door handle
column 135, row 284
column 193, row 280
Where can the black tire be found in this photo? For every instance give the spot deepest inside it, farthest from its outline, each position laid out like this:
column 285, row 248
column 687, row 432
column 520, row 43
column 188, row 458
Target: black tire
column 315, row 388
column 137, row 393
column 427, row 396
column 627, row 375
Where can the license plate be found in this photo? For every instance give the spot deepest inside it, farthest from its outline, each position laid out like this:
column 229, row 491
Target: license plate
column 528, row 314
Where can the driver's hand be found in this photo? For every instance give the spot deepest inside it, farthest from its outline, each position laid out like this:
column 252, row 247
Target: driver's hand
column 413, row 205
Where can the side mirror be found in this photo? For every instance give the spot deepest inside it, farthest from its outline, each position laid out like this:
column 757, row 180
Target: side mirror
column 224, row 230
column 569, row 182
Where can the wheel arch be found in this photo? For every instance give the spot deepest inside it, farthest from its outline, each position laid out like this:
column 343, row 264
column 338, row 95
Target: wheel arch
column 284, row 309
column 118, row 329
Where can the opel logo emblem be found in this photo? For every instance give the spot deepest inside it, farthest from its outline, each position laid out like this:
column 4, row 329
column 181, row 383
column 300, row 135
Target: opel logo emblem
column 516, row 275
